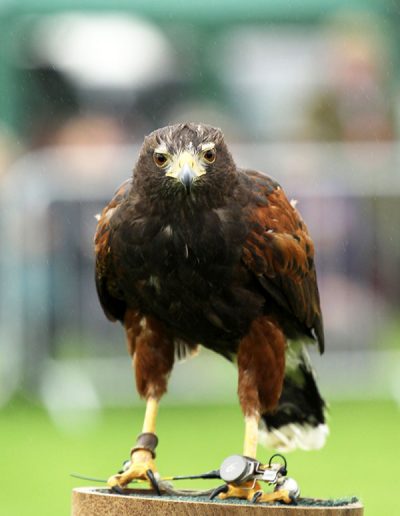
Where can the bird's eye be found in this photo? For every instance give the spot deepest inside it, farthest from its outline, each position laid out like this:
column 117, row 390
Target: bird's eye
column 160, row 159
column 209, row 155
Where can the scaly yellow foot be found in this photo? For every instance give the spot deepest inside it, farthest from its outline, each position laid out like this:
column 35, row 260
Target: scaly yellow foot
column 141, row 462
column 252, row 492
column 276, row 496
column 247, row 490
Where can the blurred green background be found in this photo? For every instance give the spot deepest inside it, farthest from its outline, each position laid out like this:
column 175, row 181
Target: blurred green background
column 359, row 458
column 308, row 92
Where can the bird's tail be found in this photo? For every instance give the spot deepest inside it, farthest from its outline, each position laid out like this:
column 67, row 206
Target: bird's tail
column 299, row 419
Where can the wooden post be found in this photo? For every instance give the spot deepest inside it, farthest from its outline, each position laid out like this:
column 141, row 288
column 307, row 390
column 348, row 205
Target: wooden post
column 90, row 501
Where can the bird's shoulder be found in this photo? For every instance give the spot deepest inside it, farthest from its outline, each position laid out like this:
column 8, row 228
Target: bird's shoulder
column 276, row 228
column 256, row 182
column 104, row 219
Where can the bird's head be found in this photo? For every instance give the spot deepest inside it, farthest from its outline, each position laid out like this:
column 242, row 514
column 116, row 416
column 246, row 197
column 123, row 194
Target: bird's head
column 185, row 160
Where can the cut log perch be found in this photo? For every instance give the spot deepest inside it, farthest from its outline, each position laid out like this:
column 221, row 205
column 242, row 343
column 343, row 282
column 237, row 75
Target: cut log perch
column 91, row 501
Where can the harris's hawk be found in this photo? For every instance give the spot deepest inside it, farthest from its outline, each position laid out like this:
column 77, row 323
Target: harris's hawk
column 196, row 251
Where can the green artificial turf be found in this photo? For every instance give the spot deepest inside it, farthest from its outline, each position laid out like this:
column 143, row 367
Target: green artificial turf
column 360, row 459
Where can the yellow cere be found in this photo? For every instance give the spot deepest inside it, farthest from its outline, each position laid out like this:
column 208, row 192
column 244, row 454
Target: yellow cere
column 190, row 158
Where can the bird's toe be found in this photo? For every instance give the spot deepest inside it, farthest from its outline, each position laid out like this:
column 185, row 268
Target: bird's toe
column 247, row 491
column 140, row 467
column 252, row 492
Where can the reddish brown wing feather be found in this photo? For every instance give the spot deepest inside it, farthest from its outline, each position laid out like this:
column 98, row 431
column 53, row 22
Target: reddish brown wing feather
column 280, row 252
column 111, row 300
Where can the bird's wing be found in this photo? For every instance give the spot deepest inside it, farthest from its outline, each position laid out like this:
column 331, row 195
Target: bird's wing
column 280, row 252
column 111, row 298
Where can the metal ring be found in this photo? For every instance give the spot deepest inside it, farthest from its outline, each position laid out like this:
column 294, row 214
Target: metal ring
column 278, row 455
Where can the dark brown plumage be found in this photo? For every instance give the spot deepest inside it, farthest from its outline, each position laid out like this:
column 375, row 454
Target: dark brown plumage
column 193, row 250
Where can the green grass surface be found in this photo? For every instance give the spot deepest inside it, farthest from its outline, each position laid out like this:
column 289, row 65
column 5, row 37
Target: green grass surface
column 361, row 457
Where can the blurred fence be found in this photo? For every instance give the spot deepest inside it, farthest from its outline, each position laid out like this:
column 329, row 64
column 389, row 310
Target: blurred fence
column 55, row 341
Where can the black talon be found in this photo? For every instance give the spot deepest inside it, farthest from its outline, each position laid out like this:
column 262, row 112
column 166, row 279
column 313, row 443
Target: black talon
column 293, row 499
column 256, row 496
column 117, row 490
column 153, row 481
column 220, row 489
column 125, row 466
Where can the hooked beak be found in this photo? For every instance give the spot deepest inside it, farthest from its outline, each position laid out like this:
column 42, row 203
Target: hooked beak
column 186, row 176
column 185, row 168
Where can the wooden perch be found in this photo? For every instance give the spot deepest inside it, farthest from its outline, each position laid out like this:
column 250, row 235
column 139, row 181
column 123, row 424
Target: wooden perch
column 91, row 501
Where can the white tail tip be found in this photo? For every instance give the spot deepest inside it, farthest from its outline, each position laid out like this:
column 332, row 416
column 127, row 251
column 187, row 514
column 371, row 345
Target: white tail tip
column 292, row 436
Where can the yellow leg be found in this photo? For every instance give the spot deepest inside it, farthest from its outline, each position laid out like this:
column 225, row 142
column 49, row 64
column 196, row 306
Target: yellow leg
column 247, row 490
column 149, row 423
column 251, row 436
column 141, row 460
column 251, row 490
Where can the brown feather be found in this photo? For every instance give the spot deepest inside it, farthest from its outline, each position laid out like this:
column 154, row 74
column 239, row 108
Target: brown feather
column 228, row 263
column 261, row 364
column 152, row 349
column 110, row 297
column 280, row 252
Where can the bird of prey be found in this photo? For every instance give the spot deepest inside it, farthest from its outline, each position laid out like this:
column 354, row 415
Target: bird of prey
column 193, row 250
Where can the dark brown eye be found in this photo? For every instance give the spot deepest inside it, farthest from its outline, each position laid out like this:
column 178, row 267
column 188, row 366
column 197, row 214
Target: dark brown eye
column 160, row 159
column 209, row 155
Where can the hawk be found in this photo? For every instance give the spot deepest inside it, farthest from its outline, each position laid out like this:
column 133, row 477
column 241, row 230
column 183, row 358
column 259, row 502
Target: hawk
column 193, row 250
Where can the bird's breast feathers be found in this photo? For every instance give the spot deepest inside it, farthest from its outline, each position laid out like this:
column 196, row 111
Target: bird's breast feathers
column 187, row 271
column 204, row 247
column 206, row 244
